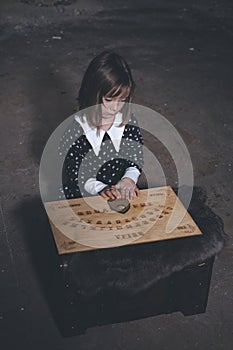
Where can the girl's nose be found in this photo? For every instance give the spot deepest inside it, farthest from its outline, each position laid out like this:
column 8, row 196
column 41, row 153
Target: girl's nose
column 114, row 106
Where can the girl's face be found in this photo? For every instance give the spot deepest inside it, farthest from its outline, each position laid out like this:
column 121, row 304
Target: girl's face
column 112, row 105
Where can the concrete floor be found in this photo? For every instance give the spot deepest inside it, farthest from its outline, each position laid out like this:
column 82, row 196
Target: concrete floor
column 181, row 57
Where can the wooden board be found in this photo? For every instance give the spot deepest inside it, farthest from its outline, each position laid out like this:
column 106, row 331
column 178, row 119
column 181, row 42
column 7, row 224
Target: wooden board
column 89, row 223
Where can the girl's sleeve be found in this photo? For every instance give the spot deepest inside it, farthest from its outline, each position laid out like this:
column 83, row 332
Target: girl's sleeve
column 71, row 158
column 93, row 186
column 134, row 151
column 133, row 173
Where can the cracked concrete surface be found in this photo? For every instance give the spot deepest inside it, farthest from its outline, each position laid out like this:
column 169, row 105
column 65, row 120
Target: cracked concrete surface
column 181, row 57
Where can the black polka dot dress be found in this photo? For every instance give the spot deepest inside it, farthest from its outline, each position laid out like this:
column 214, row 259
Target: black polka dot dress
column 108, row 166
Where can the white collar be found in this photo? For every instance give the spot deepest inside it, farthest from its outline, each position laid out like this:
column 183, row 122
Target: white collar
column 115, row 133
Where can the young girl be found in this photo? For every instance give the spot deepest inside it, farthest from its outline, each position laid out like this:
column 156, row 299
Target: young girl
column 103, row 145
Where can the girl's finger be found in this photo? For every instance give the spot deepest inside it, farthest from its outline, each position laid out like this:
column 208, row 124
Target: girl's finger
column 127, row 194
column 132, row 193
column 109, row 193
column 116, row 193
column 104, row 192
column 137, row 191
column 103, row 195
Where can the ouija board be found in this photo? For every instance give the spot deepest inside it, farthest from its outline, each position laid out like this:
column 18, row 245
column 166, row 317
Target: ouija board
column 89, row 223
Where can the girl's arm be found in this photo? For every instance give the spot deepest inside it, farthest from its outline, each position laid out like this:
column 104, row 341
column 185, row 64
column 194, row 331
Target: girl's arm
column 133, row 151
column 71, row 158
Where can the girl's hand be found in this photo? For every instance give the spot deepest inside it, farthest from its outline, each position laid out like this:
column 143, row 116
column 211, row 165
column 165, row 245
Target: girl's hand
column 127, row 188
column 110, row 192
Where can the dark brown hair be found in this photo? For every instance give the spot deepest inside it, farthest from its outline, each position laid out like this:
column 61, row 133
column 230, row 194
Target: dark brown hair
column 108, row 74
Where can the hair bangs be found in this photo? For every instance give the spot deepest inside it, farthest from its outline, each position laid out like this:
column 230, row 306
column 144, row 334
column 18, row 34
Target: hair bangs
column 121, row 90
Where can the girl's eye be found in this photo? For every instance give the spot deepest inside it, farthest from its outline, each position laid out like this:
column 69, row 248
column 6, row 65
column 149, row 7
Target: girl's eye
column 109, row 99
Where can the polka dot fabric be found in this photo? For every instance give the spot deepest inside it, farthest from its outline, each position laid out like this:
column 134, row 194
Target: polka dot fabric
column 81, row 163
